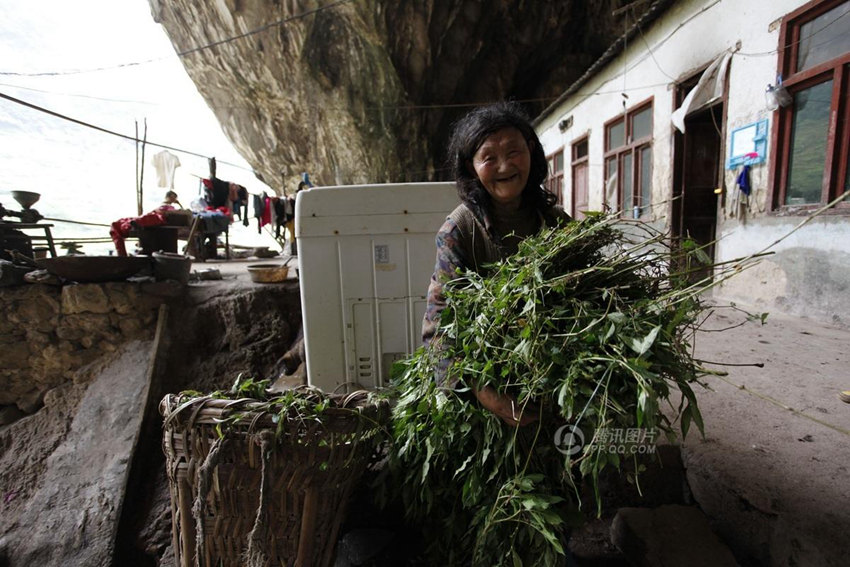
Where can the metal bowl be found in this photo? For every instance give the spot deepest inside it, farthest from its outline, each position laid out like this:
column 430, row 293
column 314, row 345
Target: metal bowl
column 26, row 199
column 87, row 269
column 268, row 273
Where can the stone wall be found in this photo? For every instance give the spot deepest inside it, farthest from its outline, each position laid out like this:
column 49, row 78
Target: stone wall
column 48, row 333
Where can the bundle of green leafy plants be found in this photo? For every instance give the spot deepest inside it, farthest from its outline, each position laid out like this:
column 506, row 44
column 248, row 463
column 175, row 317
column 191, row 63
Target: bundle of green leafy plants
column 252, row 404
column 589, row 329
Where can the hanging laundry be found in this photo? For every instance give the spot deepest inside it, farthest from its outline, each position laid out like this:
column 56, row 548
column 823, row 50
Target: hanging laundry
column 279, row 214
column 240, row 202
column 259, row 207
column 267, row 213
column 743, row 180
column 216, row 192
column 165, row 164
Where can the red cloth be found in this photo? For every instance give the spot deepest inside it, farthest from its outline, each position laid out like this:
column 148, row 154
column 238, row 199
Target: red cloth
column 267, row 213
column 223, row 210
column 121, row 228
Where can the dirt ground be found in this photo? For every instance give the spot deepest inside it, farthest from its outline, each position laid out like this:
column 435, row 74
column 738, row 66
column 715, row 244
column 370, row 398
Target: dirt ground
column 771, row 471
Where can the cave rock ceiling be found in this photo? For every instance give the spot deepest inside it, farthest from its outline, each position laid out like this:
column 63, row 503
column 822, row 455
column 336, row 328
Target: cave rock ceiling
column 364, row 91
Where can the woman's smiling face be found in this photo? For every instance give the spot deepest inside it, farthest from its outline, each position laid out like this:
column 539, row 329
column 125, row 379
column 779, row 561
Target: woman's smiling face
column 502, row 164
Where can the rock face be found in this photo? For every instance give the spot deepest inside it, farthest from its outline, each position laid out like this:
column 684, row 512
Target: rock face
column 366, row 91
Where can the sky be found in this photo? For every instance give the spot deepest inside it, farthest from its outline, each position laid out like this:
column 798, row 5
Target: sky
column 107, row 63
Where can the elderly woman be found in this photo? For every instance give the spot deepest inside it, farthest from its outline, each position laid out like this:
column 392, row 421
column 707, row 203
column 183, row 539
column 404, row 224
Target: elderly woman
column 499, row 167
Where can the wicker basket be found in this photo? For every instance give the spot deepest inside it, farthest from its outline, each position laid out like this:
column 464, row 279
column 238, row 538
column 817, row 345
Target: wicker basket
column 275, row 489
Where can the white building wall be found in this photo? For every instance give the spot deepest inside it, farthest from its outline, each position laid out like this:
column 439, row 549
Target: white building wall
column 685, row 39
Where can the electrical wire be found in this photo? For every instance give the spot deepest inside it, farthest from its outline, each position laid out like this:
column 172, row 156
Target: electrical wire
column 651, row 54
column 283, row 21
column 106, row 131
column 251, row 108
column 378, row 107
column 799, row 41
column 187, row 51
column 77, row 95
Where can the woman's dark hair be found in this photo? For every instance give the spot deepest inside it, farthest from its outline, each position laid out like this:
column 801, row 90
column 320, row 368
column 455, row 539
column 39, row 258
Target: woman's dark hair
column 468, row 135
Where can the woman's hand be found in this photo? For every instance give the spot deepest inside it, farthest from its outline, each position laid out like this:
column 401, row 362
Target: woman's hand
column 505, row 406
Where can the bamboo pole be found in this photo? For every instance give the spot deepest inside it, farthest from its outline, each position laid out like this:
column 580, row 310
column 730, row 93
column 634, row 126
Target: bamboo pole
column 138, row 200
column 142, row 168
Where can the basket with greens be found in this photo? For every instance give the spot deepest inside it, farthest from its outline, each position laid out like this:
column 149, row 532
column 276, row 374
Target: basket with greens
column 262, row 478
column 589, row 328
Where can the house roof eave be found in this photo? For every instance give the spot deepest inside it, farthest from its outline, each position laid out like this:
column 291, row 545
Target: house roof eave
column 652, row 13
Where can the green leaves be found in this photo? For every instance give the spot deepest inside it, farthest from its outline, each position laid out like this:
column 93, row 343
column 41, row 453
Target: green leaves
column 586, row 326
column 641, row 346
column 249, row 388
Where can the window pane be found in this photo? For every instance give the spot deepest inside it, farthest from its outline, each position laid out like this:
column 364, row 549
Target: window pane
column 628, row 188
column 808, row 144
column 645, row 190
column 611, row 171
column 616, row 135
column 642, row 124
column 580, row 187
column 824, row 38
column 580, row 150
column 847, row 183
column 559, row 162
column 846, row 186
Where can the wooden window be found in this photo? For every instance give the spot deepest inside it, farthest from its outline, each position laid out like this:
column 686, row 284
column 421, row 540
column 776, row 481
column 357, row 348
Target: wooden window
column 579, row 178
column 628, row 161
column 811, row 137
column 555, row 181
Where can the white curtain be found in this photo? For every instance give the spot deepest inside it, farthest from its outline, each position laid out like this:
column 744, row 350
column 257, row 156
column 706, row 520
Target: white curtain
column 709, row 88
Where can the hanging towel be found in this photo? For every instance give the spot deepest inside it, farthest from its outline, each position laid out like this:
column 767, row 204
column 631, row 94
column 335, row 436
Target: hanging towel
column 743, row 180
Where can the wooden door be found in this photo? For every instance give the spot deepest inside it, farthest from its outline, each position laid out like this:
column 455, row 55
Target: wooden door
column 701, row 161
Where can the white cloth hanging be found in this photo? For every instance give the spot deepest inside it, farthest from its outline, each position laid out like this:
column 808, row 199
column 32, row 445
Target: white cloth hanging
column 611, row 191
column 709, row 88
column 165, row 163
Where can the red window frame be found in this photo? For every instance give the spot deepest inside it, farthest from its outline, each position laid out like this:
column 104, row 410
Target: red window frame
column 580, row 185
column 624, row 156
column 838, row 131
column 555, row 181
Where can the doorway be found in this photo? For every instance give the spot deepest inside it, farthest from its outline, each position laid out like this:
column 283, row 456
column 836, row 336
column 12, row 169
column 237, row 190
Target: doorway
column 697, row 171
